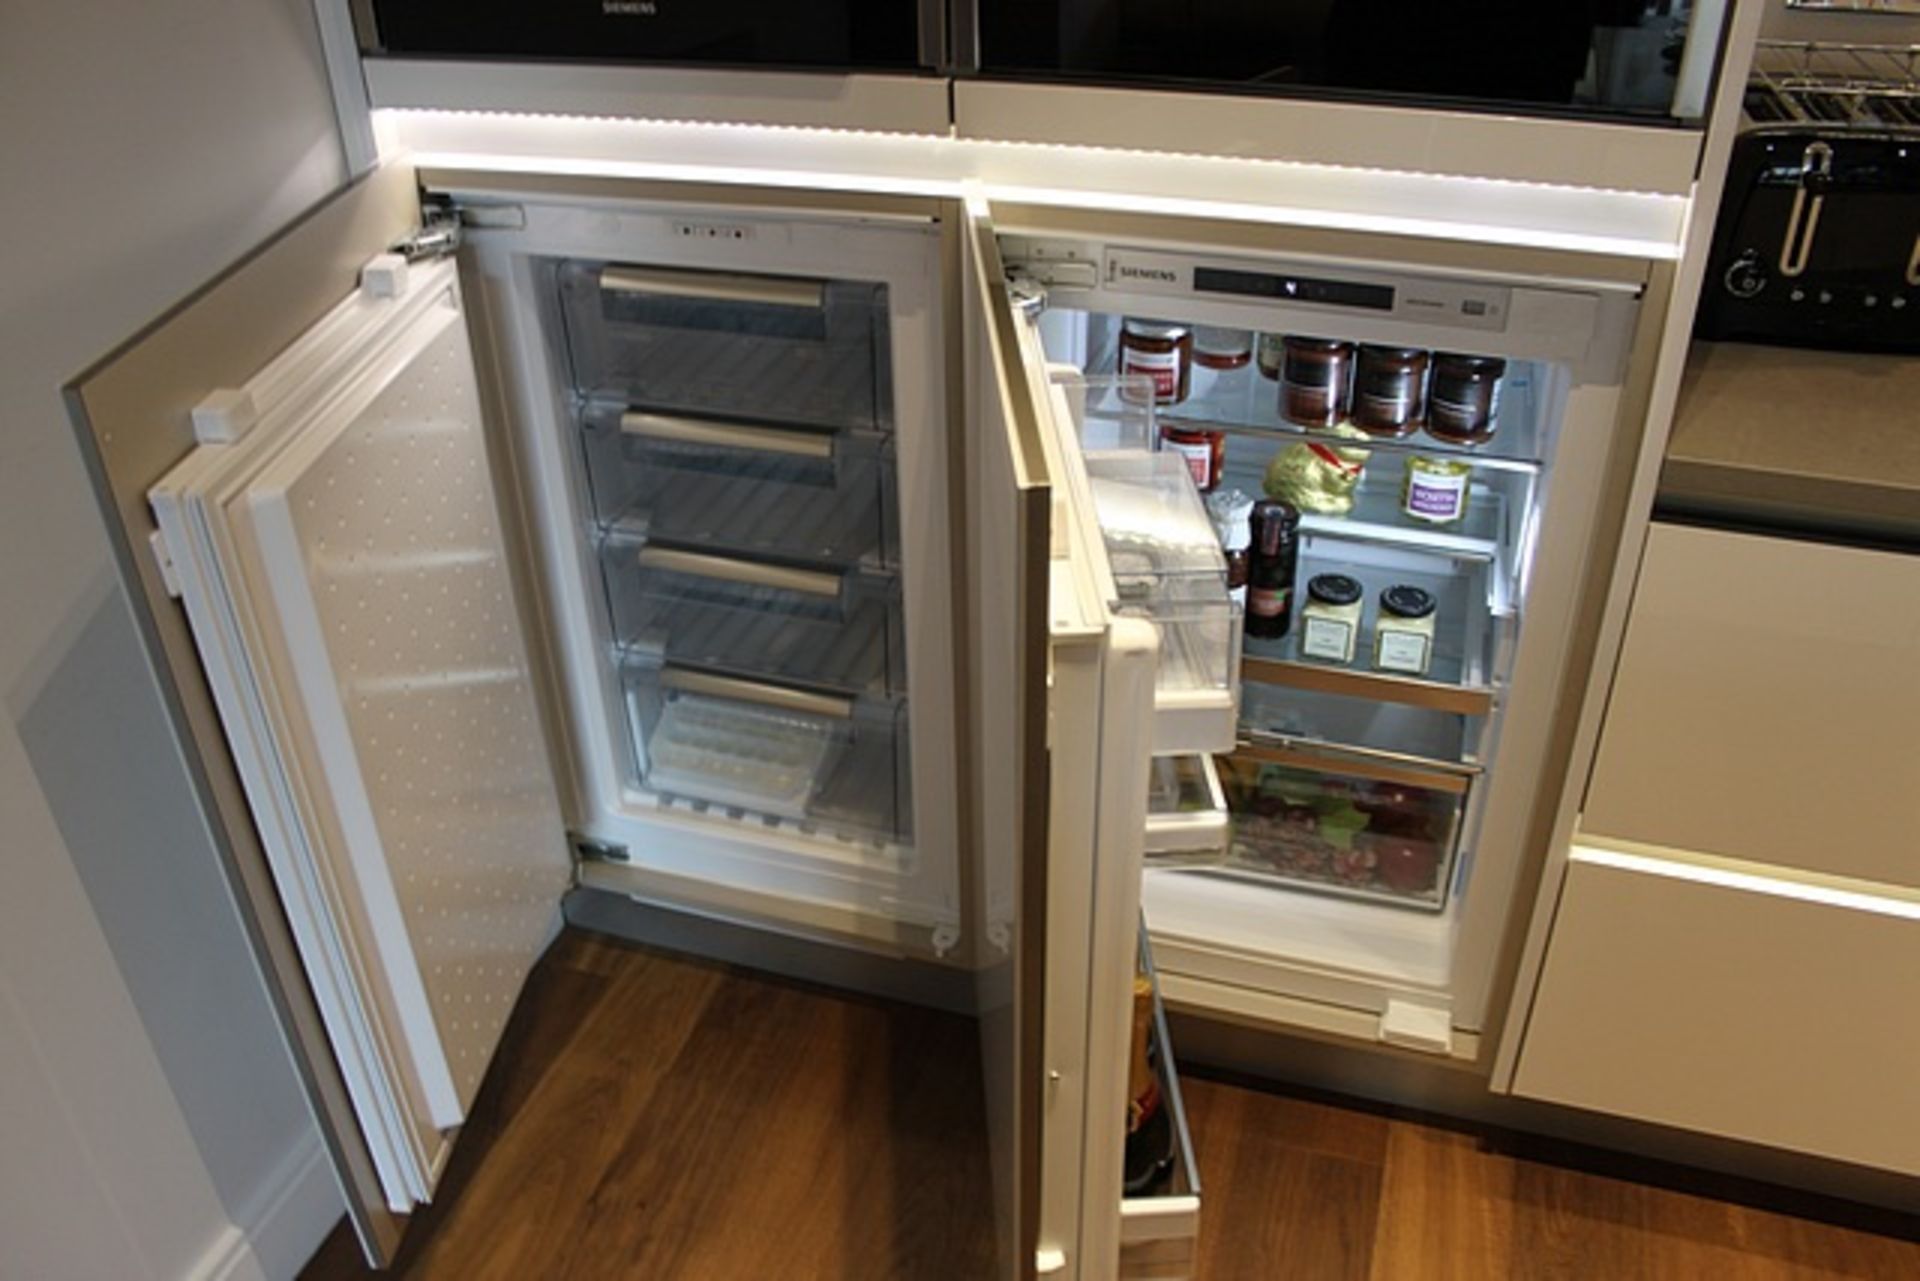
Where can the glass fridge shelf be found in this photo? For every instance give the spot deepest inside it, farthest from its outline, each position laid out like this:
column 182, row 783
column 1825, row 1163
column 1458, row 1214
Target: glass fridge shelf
column 1246, row 400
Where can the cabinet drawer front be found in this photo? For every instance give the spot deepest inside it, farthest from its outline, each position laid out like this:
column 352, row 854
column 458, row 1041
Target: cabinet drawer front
column 1731, row 1005
column 777, row 349
column 1765, row 705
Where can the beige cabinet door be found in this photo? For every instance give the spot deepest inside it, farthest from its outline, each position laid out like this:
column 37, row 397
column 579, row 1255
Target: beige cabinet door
column 1777, row 1013
column 1764, row 707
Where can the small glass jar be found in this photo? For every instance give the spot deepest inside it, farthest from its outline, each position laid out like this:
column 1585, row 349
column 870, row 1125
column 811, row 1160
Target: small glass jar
column 1314, row 380
column 1203, row 448
column 1270, row 353
column 1330, row 620
column 1232, row 515
column 1222, row 349
column 1436, row 489
column 1463, row 406
column 1159, row 350
column 1389, row 390
column 1403, row 634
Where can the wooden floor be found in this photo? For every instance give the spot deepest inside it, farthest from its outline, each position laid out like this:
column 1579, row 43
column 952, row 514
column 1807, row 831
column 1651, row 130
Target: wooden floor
column 656, row 1117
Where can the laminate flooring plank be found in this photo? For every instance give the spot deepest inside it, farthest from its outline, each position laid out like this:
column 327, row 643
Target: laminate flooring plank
column 1289, row 1188
column 1445, row 1209
column 521, row 1210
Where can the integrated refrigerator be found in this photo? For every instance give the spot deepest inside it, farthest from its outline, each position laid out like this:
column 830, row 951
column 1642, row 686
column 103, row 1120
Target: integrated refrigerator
column 808, row 560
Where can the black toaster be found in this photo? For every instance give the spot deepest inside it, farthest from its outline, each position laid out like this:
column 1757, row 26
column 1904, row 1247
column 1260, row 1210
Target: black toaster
column 1818, row 238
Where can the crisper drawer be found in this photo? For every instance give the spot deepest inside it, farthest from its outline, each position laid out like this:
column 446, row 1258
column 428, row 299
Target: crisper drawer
column 1724, row 998
column 1352, row 825
column 734, row 486
column 1160, row 1229
column 750, row 747
column 833, row 630
column 776, row 348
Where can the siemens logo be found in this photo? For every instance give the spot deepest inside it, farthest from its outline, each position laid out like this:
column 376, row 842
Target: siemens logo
column 630, row 8
column 1155, row 275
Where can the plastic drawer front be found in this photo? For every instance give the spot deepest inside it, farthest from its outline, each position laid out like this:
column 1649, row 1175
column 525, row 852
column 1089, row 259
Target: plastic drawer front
column 1351, row 826
column 746, row 747
column 773, row 348
column 839, row 632
column 746, row 488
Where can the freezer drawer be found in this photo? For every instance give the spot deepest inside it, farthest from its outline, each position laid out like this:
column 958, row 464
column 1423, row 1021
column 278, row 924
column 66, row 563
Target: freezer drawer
column 837, row 631
column 1353, row 826
column 774, row 348
column 1778, row 1009
column 1159, row 1231
column 743, row 487
column 757, row 748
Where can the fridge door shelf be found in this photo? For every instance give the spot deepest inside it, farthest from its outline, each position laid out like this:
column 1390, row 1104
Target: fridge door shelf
column 1186, row 812
column 781, row 349
column 1167, row 567
column 1245, row 399
column 750, row 488
column 1159, row 1231
column 836, row 631
column 1459, row 676
column 749, row 748
column 1372, row 830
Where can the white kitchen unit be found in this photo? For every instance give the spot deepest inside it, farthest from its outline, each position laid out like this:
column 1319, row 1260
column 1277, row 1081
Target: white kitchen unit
column 1734, row 943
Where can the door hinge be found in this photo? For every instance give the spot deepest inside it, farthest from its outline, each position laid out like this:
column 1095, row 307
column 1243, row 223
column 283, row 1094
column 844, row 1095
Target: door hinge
column 1025, row 293
column 587, row 849
column 438, row 235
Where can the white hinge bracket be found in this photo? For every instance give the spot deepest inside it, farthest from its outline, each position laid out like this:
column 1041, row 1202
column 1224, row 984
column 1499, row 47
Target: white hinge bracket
column 163, row 558
column 437, row 237
column 1417, row 1027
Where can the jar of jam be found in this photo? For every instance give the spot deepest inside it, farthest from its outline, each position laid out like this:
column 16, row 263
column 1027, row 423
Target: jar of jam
column 1463, row 405
column 1389, row 390
column 1270, row 353
column 1159, row 350
column 1203, row 448
column 1314, row 381
column 1436, row 489
column 1222, row 349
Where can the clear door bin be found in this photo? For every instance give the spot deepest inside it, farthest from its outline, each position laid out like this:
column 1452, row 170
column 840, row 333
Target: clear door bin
column 776, row 348
column 1167, row 566
column 829, row 764
column 1187, row 823
column 1345, row 827
column 832, row 630
column 736, row 486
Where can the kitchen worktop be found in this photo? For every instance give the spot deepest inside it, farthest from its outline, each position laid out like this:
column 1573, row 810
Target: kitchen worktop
column 1815, row 441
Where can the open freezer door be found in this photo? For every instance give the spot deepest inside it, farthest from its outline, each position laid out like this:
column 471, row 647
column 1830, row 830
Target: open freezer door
column 350, row 679
column 342, row 563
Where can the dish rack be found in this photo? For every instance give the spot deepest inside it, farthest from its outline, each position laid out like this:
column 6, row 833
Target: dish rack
column 1834, row 85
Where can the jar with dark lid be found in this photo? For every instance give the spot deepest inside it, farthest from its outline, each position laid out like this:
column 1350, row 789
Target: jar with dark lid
column 1222, row 349
column 1276, row 556
column 1203, row 448
column 1463, row 407
column 1389, row 390
column 1403, row 634
column 1331, row 618
column 1314, row 380
column 1160, row 350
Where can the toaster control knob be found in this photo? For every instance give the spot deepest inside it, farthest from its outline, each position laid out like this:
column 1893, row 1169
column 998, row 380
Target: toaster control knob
column 1745, row 276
